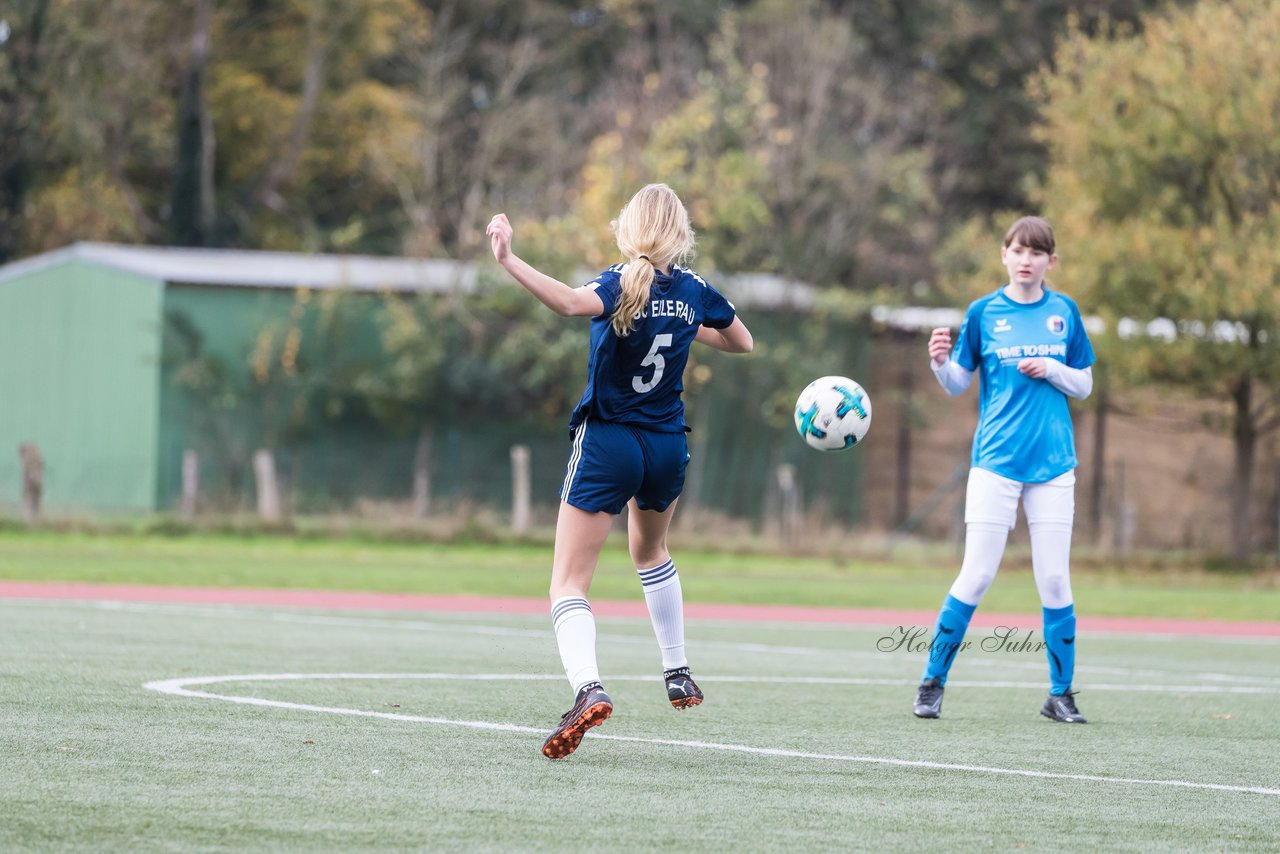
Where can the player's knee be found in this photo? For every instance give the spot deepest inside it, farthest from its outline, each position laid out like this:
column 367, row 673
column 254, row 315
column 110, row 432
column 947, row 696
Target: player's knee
column 647, row 549
column 1050, row 525
column 1055, row 591
column 971, row 587
column 649, row 557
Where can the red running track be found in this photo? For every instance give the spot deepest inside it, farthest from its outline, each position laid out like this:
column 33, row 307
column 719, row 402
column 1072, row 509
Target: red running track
column 356, row 600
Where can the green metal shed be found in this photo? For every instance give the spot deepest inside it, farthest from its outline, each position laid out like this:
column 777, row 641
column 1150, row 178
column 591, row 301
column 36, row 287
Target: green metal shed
column 96, row 344
column 81, row 354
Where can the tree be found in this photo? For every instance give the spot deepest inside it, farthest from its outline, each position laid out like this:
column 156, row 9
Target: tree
column 298, row 377
column 1165, row 163
column 784, row 143
column 849, row 200
column 192, row 209
column 959, row 69
column 22, row 89
column 299, row 93
column 405, row 389
column 490, row 355
column 104, row 138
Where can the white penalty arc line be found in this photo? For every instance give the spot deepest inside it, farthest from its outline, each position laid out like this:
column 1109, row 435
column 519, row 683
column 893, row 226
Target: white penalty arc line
column 180, row 688
column 1258, row 684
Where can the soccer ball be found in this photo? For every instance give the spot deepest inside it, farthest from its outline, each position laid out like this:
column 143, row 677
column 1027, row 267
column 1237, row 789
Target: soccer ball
column 833, row 413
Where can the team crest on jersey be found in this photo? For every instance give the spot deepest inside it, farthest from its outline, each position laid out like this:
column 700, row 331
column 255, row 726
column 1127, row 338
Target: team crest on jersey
column 1057, row 325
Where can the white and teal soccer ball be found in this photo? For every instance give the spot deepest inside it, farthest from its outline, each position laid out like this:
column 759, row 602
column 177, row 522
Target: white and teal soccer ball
column 833, row 413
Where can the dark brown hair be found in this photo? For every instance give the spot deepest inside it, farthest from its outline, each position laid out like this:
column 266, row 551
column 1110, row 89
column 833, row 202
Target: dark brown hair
column 1031, row 231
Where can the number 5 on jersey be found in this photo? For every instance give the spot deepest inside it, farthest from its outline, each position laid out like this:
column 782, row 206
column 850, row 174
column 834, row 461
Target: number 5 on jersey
column 653, row 358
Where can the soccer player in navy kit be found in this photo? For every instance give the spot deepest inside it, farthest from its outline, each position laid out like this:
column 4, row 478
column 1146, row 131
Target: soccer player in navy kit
column 1030, row 346
column 628, row 435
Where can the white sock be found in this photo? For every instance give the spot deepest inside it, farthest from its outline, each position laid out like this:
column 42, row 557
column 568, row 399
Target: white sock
column 576, row 636
column 666, row 611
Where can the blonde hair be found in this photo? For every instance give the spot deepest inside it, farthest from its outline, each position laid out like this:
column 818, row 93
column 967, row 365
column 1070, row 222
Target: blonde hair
column 652, row 230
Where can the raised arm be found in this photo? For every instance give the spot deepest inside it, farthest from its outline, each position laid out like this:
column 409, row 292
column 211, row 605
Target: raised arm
column 735, row 338
column 951, row 375
column 553, row 293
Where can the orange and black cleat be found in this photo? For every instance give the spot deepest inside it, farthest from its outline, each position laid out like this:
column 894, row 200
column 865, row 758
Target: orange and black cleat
column 682, row 691
column 592, row 708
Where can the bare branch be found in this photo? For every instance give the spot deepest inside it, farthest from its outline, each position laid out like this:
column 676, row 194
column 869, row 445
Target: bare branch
column 281, row 167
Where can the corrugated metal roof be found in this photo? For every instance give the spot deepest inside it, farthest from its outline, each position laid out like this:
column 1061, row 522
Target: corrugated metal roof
column 916, row 318
column 249, row 268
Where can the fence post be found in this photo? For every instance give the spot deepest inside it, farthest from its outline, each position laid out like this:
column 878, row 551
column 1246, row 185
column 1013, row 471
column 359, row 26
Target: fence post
column 520, row 488
column 264, row 472
column 422, row 475
column 32, row 481
column 190, row 483
column 1125, row 514
column 789, row 503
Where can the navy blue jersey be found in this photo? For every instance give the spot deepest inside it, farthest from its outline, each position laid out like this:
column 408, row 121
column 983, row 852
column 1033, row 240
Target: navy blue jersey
column 638, row 379
column 1024, row 427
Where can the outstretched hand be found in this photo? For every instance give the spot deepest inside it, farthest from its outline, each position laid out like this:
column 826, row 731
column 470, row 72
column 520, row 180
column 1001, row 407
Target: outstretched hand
column 940, row 345
column 500, row 235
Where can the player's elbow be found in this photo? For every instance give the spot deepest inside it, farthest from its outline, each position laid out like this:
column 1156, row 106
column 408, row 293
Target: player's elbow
column 737, row 338
column 576, row 303
column 955, row 386
column 1082, row 386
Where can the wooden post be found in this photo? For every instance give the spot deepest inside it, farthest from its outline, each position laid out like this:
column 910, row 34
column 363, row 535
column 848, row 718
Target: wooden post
column 422, row 475
column 1125, row 514
column 32, row 481
column 789, row 503
column 1098, row 484
column 264, row 472
column 520, row 488
column 902, row 481
column 190, row 483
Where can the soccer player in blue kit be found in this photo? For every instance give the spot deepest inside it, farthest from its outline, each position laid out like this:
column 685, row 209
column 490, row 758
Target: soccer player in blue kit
column 1030, row 346
column 628, row 435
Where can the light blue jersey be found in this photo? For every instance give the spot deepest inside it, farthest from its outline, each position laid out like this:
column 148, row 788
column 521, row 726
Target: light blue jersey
column 1024, row 427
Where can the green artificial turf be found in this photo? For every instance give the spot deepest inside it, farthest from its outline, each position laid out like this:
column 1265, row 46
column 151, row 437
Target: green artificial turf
column 800, row 745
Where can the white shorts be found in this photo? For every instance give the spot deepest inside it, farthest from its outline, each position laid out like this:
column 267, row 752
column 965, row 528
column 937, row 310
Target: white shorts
column 993, row 499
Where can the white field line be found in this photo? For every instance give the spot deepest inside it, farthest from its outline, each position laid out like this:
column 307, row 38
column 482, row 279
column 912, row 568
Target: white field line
column 179, row 688
column 1258, row 684
column 463, row 617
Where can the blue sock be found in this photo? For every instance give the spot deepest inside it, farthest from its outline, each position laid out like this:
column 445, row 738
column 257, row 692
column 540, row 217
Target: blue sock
column 953, row 622
column 1060, row 646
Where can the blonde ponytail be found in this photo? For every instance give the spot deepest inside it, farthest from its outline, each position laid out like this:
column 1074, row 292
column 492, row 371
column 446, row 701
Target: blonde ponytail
column 637, row 281
column 651, row 231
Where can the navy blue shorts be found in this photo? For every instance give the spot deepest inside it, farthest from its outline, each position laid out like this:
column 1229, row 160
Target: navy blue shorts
column 612, row 463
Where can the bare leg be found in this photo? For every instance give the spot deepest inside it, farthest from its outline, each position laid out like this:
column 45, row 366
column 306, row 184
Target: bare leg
column 647, row 534
column 579, row 537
